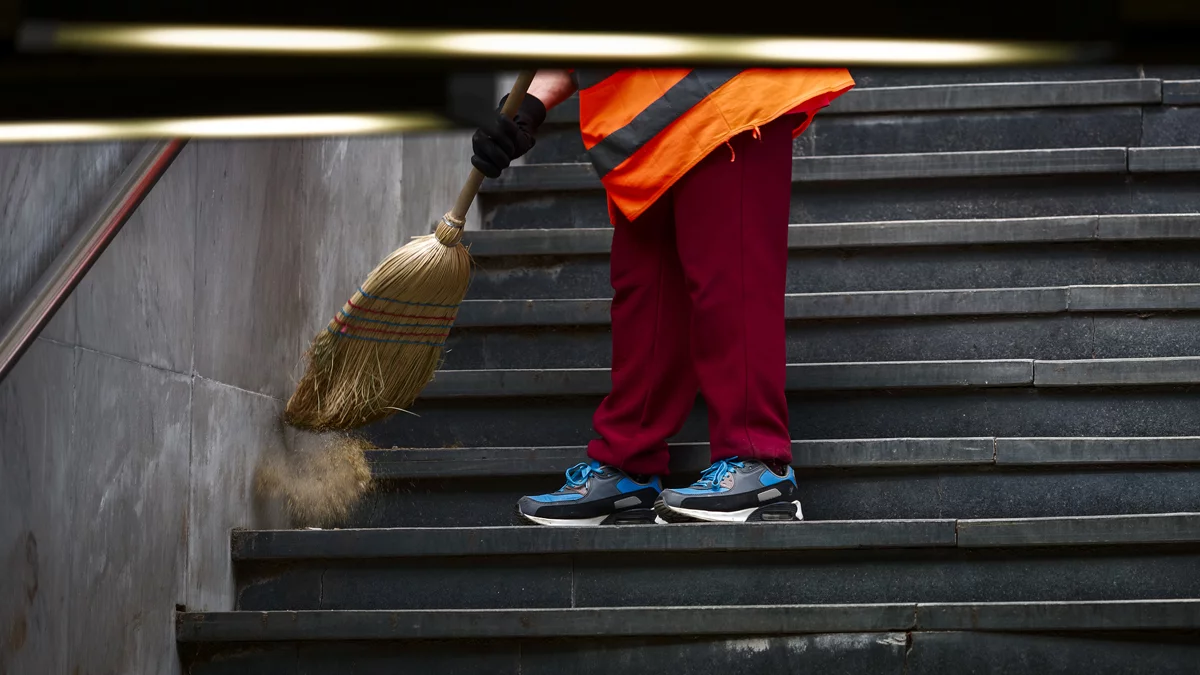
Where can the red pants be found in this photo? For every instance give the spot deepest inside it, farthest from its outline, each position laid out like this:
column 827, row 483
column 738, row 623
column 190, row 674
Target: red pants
column 699, row 282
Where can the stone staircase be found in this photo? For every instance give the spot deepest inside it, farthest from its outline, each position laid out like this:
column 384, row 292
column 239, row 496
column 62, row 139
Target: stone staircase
column 994, row 349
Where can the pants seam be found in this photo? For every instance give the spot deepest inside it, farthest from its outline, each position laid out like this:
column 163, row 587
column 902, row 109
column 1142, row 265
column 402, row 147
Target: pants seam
column 745, row 320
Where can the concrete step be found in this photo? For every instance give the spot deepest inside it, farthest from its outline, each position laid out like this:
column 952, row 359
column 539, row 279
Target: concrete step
column 947, row 118
column 1073, row 336
column 915, row 652
column 896, row 492
column 1038, row 162
column 256, row 546
column 895, row 453
column 1056, row 323
column 1054, row 559
column 1117, row 298
column 951, row 412
column 489, row 245
column 1181, row 92
column 1136, row 615
column 860, row 478
column 917, row 186
column 848, row 376
column 914, row 268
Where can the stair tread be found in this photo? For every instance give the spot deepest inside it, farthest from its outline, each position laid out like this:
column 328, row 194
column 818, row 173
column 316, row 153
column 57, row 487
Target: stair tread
column 947, row 232
column 979, row 163
column 661, row 621
column 869, row 304
column 1144, row 372
column 398, row 463
column 377, row 543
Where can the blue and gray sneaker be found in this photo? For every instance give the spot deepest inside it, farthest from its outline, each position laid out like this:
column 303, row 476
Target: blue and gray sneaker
column 594, row 494
column 734, row 491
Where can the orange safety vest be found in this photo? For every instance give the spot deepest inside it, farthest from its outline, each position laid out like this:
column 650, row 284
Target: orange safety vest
column 644, row 128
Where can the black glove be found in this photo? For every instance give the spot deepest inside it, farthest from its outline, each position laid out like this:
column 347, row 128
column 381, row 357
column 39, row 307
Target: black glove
column 501, row 140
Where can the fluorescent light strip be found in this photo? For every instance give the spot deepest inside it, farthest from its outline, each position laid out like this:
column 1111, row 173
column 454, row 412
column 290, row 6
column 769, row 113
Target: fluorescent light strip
column 265, row 126
column 543, row 45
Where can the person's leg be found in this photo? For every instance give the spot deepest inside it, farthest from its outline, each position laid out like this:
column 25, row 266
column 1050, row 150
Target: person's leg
column 732, row 236
column 653, row 385
column 732, row 221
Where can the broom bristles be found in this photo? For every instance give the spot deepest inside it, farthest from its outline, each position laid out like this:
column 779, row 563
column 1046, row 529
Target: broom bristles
column 378, row 354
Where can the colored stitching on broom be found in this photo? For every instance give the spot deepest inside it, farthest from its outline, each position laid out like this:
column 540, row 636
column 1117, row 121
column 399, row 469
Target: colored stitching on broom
column 405, row 302
column 345, row 326
column 399, row 316
column 387, row 323
column 371, row 339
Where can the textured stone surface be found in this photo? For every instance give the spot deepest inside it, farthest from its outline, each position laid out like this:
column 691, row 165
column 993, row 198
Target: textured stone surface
column 800, row 377
column 1133, row 297
column 875, row 268
column 1181, row 92
column 716, row 578
column 832, row 654
column 1158, row 160
column 250, row 323
column 136, row 302
column 933, row 653
column 860, row 167
column 1013, row 493
column 873, row 201
column 407, row 544
column 1118, row 615
column 912, row 76
column 1015, row 412
column 1134, row 450
column 351, row 658
column 36, row 534
column 126, row 520
column 996, row 95
column 1170, row 125
column 459, row 583
column 231, row 430
column 352, row 219
column 502, row 251
column 1163, row 371
column 1101, row 530
column 839, row 494
column 1146, row 336
column 964, row 131
column 690, row 457
column 459, row 624
column 897, row 339
column 46, row 191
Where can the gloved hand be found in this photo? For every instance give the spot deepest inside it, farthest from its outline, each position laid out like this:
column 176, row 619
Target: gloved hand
column 501, row 140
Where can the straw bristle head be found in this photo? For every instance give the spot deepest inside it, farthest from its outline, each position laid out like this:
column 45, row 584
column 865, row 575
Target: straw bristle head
column 382, row 349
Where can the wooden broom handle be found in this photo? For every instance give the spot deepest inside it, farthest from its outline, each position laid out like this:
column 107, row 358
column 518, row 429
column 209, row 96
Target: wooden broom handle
column 511, row 105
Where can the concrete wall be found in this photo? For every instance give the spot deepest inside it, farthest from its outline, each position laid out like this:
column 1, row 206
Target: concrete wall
column 129, row 432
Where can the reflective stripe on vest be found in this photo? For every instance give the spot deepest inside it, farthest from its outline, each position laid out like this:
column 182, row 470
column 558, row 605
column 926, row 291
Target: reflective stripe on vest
column 620, row 145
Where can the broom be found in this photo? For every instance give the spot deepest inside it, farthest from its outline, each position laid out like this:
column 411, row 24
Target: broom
column 382, row 348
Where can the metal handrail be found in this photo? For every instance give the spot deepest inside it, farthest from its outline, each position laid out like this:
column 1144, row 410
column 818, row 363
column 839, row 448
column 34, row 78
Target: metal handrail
column 83, row 249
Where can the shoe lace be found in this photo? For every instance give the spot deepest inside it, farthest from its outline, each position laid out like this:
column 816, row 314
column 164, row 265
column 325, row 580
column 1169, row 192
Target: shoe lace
column 578, row 475
column 713, row 475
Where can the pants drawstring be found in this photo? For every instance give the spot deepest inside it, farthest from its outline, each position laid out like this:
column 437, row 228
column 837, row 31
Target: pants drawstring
column 756, row 133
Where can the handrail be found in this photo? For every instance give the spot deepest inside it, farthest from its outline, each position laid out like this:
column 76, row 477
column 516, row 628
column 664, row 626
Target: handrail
column 83, row 249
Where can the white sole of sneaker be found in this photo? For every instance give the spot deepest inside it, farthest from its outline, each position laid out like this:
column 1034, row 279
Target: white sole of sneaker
column 723, row 516
column 577, row 522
